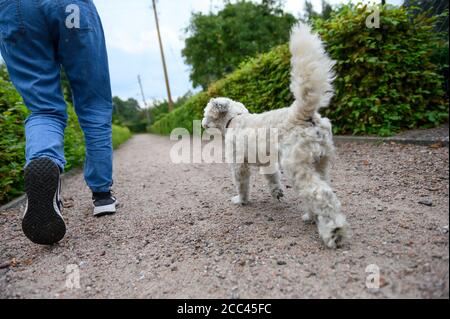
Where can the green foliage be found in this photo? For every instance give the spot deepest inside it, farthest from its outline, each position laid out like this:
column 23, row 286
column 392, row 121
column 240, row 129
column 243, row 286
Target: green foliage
column 129, row 114
column 431, row 8
column 218, row 43
column 65, row 86
column 182, row 116
column 159, row 109
column 438, row 9
column 262, row 83
column 12, row 145
column 120, row 135
column 12, row 139
column 73, row 141
column 386, row 80
column 311, row 14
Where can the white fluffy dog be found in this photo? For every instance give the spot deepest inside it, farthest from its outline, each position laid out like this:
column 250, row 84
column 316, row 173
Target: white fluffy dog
column 304, row 144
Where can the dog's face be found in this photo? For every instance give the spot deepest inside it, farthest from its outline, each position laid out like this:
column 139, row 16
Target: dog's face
column 219, row 111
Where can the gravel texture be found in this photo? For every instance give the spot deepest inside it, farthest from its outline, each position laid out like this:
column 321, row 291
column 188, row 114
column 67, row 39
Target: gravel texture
column 178, row 236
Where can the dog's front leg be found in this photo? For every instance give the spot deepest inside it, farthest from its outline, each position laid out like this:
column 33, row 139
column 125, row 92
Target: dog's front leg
column 241, row 177
column 274, row 183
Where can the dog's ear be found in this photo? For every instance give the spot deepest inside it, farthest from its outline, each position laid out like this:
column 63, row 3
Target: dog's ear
column 222, row 106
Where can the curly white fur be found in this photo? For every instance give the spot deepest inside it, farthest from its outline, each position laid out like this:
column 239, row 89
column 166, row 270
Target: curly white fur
column 304, row 143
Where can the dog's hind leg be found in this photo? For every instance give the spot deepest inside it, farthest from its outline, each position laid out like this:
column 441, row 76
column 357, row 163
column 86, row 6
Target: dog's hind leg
column 323, row 167
column 274, row 183
column 321, row 203
column 241, row 177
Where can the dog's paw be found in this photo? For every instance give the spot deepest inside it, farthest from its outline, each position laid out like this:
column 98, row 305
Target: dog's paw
column 333, row 231
column 307, row 218
column 336, row 239
column 237, row 200
column 277, row 193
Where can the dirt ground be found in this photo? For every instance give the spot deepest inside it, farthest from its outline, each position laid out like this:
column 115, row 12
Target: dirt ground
column 177, row 235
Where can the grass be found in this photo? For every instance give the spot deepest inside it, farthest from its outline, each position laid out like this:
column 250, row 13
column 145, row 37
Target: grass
column 120, row 135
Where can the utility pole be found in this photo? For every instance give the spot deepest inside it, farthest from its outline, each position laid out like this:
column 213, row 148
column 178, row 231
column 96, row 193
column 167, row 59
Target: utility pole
column 143, row 99
column 166, row 76
column 142, row 90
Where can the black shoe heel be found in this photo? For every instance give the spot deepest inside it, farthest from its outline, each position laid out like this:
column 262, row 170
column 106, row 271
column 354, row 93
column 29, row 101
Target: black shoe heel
column 42, row 222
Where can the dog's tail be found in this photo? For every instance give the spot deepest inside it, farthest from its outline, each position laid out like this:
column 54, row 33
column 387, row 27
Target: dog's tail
column 311, row 74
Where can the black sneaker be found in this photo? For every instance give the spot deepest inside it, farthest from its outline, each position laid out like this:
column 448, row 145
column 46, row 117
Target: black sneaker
column 42, row 222
column 104, row 204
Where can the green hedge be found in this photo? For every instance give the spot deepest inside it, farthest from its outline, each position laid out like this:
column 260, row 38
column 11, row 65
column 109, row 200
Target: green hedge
column 12, row 140
column 182, row 116
column 386, row 79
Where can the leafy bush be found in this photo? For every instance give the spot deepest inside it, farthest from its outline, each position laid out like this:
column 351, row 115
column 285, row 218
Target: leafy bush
column 120, row 135
column 12, row 140
column 159, row 109
column 386, row 80
column 182, row 116
column 129, row 114
column 73, row 141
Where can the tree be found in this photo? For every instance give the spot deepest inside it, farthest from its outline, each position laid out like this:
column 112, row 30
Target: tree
column 128, row 113
column 311, row 14
column 218, row 43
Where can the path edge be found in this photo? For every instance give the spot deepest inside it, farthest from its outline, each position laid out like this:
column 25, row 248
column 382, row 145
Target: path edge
column 22, row 198
column 398, row 140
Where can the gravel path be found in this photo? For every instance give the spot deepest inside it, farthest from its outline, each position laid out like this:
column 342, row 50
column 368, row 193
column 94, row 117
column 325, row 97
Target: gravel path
column 177, row 234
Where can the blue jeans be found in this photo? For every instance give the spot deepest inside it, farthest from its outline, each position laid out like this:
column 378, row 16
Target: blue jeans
column 37, row 39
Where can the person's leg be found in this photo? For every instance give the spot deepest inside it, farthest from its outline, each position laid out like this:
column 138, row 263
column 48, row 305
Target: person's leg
column 82, row 52
column 27, row 48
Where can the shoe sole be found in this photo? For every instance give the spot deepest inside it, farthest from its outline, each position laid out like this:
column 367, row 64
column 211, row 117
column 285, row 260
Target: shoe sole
column 42, row 222
column 105, row 210
column 103, row 214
